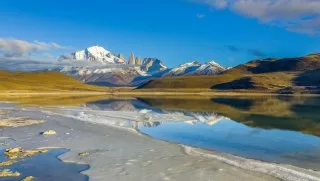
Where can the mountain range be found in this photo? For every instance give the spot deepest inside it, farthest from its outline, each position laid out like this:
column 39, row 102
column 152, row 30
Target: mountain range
column 97, row 66
column 106, row 69
column 272, row 75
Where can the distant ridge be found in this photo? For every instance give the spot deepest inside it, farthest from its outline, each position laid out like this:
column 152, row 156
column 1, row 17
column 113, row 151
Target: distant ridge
column 106, row 69
column 285, row 76
column 306, row 63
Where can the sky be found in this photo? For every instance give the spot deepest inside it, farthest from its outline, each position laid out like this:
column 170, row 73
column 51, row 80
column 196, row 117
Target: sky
column 230, row 32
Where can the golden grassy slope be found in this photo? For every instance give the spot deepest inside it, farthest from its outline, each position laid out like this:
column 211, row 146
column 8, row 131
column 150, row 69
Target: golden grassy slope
column 41, row 82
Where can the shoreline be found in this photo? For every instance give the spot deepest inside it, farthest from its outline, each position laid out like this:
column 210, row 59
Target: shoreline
column 156, row 93
column 88, row 134
column 281, row 171
column 284, row 172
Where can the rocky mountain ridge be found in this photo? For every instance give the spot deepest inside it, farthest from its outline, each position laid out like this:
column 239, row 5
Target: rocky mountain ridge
column 110, row 70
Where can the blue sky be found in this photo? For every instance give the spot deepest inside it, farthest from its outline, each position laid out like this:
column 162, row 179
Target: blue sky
column 176, row 31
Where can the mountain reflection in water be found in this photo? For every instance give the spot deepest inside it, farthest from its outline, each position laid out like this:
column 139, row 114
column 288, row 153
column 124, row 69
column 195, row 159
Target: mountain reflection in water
column 280, row 129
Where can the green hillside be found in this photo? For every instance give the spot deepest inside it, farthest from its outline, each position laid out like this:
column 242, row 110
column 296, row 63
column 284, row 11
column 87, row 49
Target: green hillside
column 287, row 75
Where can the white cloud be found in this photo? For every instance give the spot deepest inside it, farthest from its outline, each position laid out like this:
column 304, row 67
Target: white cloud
column 295, row 15
column 21, row 48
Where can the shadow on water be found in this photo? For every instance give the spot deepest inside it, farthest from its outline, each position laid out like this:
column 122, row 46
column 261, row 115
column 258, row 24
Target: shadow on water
column 308, row 109
column 243, row 104
column 47, row 167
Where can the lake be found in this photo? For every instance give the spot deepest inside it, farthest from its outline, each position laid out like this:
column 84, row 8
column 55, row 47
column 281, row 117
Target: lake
column 281, row 129
column 277, row 129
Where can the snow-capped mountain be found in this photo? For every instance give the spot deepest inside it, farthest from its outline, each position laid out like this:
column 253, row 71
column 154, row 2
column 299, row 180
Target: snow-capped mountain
column 95, row 54
column 183, row 69
column 117, row 75
column 153, row 65
column 96, row 65
column 135, row 75
column 195, row 68
column 209, row 68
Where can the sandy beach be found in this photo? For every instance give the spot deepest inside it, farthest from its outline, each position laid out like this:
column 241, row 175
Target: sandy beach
column 115, row 152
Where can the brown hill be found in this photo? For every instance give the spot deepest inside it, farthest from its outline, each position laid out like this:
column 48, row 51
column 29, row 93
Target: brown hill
column 288, row 75
column 306, row 63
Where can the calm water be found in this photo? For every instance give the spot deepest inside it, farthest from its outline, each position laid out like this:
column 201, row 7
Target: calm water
column 46, row 167
column 274, row 129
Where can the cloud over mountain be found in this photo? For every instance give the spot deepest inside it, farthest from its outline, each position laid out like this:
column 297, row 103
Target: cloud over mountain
column 21, row 48
column 294, row 15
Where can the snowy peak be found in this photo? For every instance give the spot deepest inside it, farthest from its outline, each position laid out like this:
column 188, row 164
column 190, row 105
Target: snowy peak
column 97, row 51
column 153, row 65
column 190, row 64
column 96, row 65
column 214, row 64
column 195, row 68
column 183, row 69
column 209, row 68
column 95, row 54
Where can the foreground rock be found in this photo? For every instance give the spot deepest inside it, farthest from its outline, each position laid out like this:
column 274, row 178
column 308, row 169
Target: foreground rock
column 49, row 132
column 18, row 152
column 9, row 173
column 7, row 163
column 15, row 122
column 83, row 154
column 30, row 178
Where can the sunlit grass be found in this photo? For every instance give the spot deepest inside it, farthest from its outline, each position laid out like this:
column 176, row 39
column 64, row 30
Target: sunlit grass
column 41, row 82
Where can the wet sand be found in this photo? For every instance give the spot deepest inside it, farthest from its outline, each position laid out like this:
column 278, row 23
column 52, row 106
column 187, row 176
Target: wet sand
column 115, row 153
